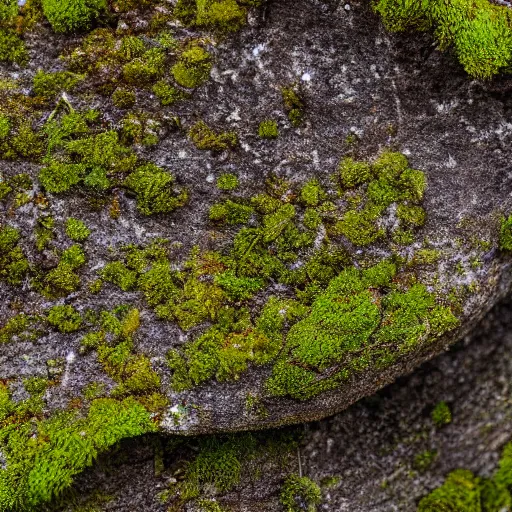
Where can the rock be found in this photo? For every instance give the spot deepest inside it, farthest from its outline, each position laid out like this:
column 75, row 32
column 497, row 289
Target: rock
column 257, row 311
column 365, row 458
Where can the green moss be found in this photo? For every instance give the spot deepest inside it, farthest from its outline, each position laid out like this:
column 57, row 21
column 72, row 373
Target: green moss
column 73, row 15
column 65, row 318
column 205, row 138
column 312, row 193
column 238, row 288
column 14, row 266
column 268, row 129
column 117, row 273
column 123, row 98
column 20, row 327
column 299, row 494
column 505, row 240
column 459, row 492
column 12, row 48
column 221, row 15
column 5, row 126
column 294, row 105
column 8, row 10
column 425, row 459
column 131, row 47
column 167, row 94
column 155, row 189
column 230, row 212
column 411, row 215
column 77, row 230
column 193, row 67
column 50, row 84
column 360, row 227
column 139, row 128
column 354, row 173
column 441, row 414
column 43, row 455
column 227, row 181
column 479, row 31
column 59, row 177
column 145, row 69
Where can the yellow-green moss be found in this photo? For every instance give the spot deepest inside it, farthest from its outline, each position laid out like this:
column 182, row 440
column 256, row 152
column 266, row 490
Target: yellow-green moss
column 64, row 318
column 205, row 138
column 193, row 67
column 77, row 230
column 268, row 129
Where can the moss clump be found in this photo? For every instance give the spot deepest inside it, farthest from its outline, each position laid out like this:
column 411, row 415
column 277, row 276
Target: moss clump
column 167, row 94
column 145, row 69
column 227, row 181
column 155, row 189
column 193, row 67
column 77, row 230
column 353, row 174
column 123, row 98
column 293, row 105
column 73, row 15
column 312, row 194
column 479, row 31
column 205, row 138
column 44, row 455
column 20, row 327
column 441, row 414
column 14, row 266
column 59, row 177
column 12, row 48
column 219, row 15
column 505, row 240
column 230, row 212
column 49, row 85
column 299, row 494
column 268, row 129
column 65, row 318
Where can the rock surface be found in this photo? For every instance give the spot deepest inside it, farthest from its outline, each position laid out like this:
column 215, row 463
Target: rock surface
column 370, row 448
column 389, row 91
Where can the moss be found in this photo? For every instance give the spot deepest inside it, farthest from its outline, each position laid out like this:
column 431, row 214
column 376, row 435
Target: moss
column 65, row 318
column 423, row 460
column 293, row 105
column 155, row 189
column 132, row 47
column 50, row 84
column 73, row 15
column 311, row 194
column 8, row 10
column 227, row 181
column 300, row 493
column 193, row 67
column 43, row 455
column 117, row 273
column 123, row 98
column 139, row 128
column 12, row 48
column 5, row 126
column 238, row 288
column 268, row 129
column 20, row 327
column 441, row 414
column 411, row 215
column 167, row 94
column 59, row 177
column 221, row 15
column 230, row 212
column 354, row 173
column 77, row 230
column 26, row 142
column 205, row 138
column 360, row 227
column 14, row 266
column 505, row 238
column 145, row 69
column 480, row 32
